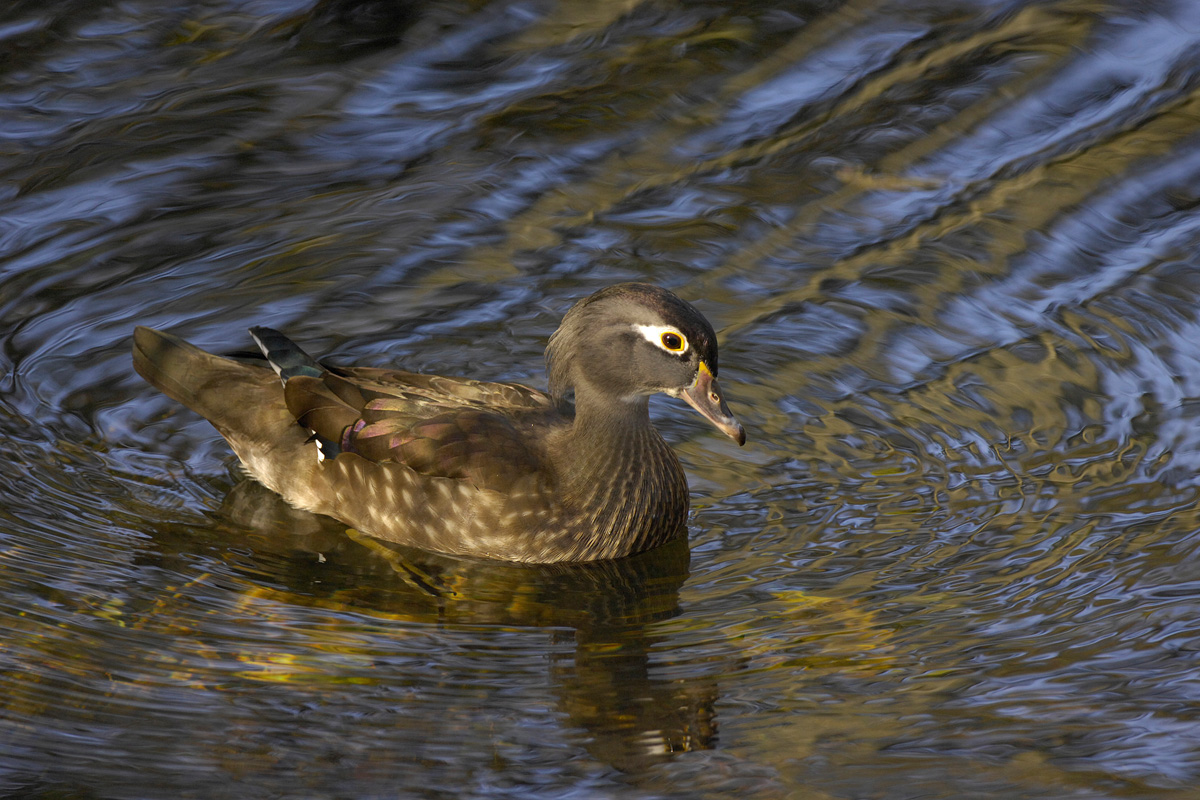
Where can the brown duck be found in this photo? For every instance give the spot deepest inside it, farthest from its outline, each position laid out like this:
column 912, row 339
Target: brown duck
column 459, row 466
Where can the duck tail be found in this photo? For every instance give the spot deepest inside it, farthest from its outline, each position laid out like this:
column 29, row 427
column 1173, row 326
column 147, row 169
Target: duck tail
column 284, row 355
column 201, row 381
column 174, row 367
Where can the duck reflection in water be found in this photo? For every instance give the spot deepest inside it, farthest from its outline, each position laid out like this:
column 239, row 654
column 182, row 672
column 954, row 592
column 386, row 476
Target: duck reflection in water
column 607, row 686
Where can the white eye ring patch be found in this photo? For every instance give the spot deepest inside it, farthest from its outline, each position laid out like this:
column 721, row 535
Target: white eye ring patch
column 654, row 335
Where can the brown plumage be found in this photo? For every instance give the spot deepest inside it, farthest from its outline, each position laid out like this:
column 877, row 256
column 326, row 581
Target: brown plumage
column 468, row 467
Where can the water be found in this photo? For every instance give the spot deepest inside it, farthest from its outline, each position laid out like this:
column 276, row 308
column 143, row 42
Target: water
column 950, row 248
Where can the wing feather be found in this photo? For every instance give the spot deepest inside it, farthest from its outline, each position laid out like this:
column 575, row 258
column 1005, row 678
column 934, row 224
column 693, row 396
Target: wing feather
column 439, row 427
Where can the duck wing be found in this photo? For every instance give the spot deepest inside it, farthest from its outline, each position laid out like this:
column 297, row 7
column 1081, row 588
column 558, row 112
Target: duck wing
column 435, row 390
column 481, row 432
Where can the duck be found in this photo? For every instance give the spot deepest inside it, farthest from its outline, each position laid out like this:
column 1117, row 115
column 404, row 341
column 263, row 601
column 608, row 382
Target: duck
column 465, row 467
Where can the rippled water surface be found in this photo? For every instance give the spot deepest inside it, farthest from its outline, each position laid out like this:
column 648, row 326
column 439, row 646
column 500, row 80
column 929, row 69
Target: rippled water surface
column 951, row 251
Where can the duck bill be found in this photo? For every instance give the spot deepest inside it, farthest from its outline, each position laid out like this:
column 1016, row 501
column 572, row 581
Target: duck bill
column 705, row 396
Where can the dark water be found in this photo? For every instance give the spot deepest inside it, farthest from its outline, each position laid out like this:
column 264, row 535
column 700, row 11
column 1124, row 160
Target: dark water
column 950, row 246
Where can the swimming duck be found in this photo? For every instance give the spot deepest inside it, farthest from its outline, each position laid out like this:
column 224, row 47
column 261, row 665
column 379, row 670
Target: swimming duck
column 459, row 466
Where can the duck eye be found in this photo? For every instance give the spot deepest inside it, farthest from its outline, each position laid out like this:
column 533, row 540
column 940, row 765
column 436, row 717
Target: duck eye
column 673, row 342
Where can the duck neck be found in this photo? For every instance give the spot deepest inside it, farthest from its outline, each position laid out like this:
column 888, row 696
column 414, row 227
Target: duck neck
column 614, row 447
column 619, row 477
column 610, row 428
